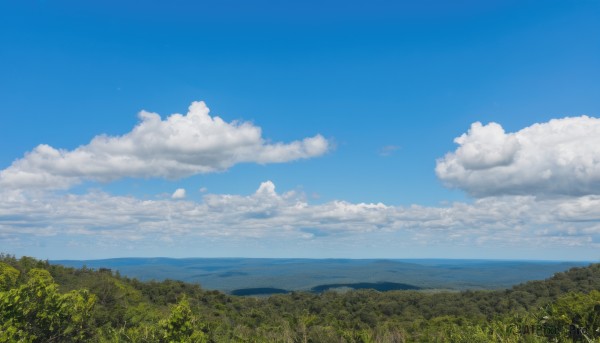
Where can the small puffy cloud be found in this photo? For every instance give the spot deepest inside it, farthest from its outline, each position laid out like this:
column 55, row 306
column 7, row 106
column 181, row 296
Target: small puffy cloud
column 266, row 189
column 559, row 157
column 178, row 194
column 175, row 147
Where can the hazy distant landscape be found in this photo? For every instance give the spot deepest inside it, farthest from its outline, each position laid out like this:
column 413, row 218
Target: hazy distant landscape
column 245, row 276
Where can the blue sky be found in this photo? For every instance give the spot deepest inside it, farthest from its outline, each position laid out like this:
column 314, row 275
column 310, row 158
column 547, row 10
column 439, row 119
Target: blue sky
column 337, row 137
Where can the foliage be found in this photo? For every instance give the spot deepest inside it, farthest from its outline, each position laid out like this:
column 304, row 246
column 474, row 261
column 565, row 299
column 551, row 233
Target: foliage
column 182, row 325
column 8, row 276
column 37, row 312
column 40, row 302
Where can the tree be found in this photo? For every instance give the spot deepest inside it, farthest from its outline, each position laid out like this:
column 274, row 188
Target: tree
column 8, row 276
column 182, row 326
column 37, row 312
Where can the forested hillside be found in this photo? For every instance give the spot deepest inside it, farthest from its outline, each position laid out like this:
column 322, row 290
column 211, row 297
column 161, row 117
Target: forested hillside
column 40, row 302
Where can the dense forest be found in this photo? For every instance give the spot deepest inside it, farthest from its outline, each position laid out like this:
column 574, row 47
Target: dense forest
column 41, row 302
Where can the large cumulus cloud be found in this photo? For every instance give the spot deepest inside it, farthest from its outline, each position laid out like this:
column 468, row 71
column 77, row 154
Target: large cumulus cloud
column 178, row 146
column 559, row 157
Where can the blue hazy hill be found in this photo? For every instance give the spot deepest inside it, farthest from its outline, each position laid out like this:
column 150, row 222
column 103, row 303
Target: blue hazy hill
column 242, row 275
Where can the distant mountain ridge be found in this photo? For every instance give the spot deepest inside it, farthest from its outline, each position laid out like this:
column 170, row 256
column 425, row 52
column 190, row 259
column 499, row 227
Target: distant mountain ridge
column 238, row 275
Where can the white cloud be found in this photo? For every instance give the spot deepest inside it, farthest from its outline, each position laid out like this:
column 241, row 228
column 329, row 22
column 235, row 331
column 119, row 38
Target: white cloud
column 178, row 194
column 560, row 157
column 486, row 147
column 287, row 219
column 178, row 146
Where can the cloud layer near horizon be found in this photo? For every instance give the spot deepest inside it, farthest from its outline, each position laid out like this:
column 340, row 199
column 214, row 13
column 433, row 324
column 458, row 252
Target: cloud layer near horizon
column 289, row 218
column 178, row 146
column 557, row 158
